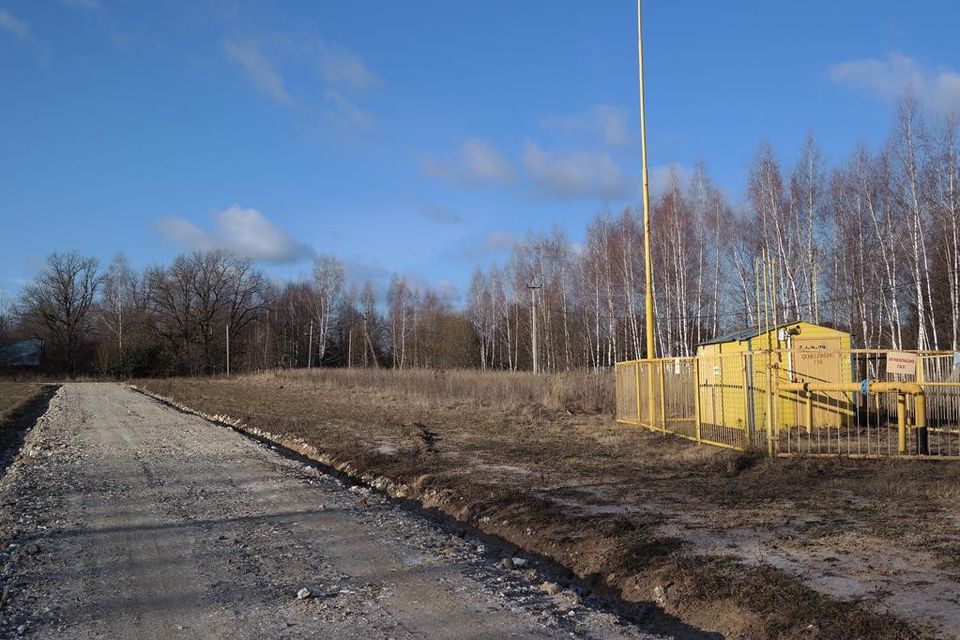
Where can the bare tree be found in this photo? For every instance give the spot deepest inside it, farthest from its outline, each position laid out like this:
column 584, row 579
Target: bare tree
column 399, row 308
column 7, row 319
column 328, row 283
column 907, row 148
column 482, row 311
column 371, row 324
column 117, row 310
column 59, row 302
column 196, row 298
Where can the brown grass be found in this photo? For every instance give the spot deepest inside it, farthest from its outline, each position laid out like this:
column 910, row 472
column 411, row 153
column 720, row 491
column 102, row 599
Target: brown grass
column 575, row 391
column 20, row 404
column 538, row 461
column 13, row 395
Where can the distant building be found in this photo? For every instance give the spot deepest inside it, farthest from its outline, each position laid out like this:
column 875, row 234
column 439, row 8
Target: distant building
column 21, row 353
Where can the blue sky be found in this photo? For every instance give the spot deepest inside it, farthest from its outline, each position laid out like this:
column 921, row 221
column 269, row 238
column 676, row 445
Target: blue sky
column 421, row 138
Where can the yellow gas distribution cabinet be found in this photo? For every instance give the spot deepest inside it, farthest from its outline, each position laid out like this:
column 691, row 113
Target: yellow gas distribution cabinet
column 733, row 377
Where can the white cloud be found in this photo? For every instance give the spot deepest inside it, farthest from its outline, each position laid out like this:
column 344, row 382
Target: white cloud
column 245, row 232
column 12, row 24
column 248, row 55
column 577, row 175
column 607, row 122
column 341, row 67
column 440, row 215
column 478, row 163
column 342, row 114
column 342, row 72
column 889, row 78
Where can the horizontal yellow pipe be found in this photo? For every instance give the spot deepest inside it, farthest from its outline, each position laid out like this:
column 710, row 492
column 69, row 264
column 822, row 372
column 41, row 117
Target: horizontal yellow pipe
column 873, row 387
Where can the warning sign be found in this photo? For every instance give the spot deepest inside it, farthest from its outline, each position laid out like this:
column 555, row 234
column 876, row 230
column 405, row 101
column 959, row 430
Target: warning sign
column 902, row 362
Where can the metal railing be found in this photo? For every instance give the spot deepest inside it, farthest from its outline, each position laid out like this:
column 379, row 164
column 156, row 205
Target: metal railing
column 797, row 402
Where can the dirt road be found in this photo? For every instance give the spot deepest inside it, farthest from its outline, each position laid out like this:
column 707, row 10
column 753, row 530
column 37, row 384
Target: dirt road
column 125, row 518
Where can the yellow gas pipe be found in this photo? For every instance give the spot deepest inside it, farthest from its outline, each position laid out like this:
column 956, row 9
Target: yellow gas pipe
column 902, row 389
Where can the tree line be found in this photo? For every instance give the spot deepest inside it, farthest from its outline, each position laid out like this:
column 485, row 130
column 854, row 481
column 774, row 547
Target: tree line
column 191, row 316
column 870, row 245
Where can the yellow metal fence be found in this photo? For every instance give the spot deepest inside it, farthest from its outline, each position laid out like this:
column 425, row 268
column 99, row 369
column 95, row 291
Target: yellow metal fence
column 793, row 402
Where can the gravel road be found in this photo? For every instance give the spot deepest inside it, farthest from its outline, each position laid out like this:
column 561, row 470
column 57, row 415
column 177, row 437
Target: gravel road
column 123, row 518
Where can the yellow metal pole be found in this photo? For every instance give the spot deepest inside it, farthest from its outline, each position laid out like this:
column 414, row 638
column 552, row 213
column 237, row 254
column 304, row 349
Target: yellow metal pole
column 920, row 417
column 636, row 374
column 648, row 256
column 901, row 423
column 766, row 320
column 809, row 412
column 816, row 299
column 920, row 412
column 747, row 396
column 773, row 291
column 663, row 397
column 696, row 402
column 648, row 261
column 756, row 273
column 750, row 393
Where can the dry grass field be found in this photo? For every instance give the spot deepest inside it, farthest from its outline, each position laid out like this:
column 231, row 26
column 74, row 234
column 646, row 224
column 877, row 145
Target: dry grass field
column 13, row 395
column 16, row 399
column 721, row 540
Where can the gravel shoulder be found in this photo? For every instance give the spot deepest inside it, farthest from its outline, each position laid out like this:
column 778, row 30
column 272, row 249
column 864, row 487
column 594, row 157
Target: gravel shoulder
column 125, row 518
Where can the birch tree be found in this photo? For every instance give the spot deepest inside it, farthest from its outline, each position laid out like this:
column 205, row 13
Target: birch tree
column 328, row 287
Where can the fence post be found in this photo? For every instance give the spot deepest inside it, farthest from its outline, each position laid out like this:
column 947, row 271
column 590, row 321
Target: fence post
column 769, row 391
column 809, row 395
column 901, row 423
column 651, row 396
column 636, row 374
column 746, row 375
column 663, row 397
column 920, row 418
column 696, row 391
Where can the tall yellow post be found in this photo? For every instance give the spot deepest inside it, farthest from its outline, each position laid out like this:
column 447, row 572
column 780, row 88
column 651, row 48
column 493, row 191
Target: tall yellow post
column 696, row 401
column 901, row 423
column 663, row 397
column 648, row 260
column 920, row 411
column 636, row 377
column 756, row 274
column 816, row 299
column 769, row 329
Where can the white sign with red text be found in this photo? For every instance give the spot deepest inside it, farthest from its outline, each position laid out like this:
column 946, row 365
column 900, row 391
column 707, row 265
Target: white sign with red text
column 902, row 362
